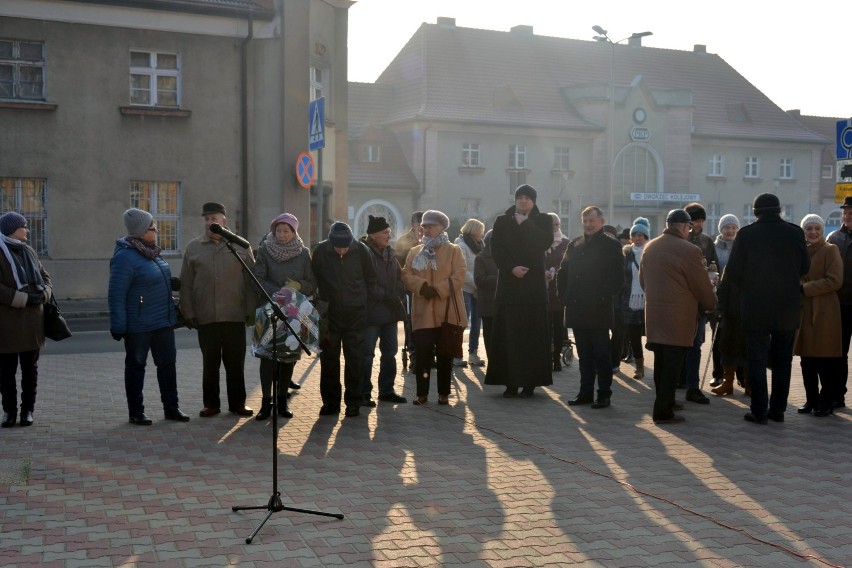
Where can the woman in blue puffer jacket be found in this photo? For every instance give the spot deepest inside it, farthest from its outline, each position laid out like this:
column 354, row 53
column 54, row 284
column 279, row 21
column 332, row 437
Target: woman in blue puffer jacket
column 142, row 312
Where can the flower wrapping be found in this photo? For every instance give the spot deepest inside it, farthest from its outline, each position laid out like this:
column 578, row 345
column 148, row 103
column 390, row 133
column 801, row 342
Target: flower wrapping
column 303, row 318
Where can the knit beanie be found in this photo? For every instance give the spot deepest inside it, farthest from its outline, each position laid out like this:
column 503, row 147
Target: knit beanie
column 766, row 203
column 696, row 211
column 288, row 218
column 729, row 219
column 812, row 218
column 641, row 225
column 12, row 221
column 433, row 217
column 137, row 222
column 376, row 225
column 340, row 235
column 526, row 190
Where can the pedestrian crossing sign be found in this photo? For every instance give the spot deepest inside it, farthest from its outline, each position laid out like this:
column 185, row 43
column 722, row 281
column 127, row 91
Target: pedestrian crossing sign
column 316, row 121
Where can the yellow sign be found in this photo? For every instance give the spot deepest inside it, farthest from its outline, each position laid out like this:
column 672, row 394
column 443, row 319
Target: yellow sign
column 842, row 191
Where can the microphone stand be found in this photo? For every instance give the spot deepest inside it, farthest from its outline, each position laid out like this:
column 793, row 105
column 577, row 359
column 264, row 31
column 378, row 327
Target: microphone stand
column 274, row 504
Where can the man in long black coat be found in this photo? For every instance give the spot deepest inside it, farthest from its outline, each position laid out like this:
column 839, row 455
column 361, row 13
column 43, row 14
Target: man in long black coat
column 591, row 274
column 767, row 261
column 520, row 351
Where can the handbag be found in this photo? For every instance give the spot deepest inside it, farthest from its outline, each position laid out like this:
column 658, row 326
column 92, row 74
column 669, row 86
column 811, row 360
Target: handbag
column 452, row 335
column 55, row 326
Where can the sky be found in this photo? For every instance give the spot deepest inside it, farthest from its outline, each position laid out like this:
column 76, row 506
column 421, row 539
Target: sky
column 796, row 54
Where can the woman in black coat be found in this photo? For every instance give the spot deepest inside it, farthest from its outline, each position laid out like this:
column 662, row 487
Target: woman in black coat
column 520, row 350
column 485, row 276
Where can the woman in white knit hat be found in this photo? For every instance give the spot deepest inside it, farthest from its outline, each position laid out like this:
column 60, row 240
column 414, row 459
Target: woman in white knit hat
column 728, row 227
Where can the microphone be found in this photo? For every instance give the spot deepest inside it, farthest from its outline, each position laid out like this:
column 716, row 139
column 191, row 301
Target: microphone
column 228, row 235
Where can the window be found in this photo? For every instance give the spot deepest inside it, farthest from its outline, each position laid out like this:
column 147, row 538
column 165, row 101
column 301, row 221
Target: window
column 711, row 225
column 371, row 153
column 470, row 155
column 516, row 178
column 752, row 167
column 827, row 171
column 785, row 170
column 716, row 167
column 834, row 219
column 470, row 206
column 317, row 85
column 787, row 212
column 517, row 157
column 560, row 159
column 748, row 215
column 162, row 200
column 27, row 197
column 21, row 70
column 154, row 79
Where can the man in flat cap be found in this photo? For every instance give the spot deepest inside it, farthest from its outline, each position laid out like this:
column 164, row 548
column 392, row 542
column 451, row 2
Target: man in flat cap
column 217, row 299
column 842, row 238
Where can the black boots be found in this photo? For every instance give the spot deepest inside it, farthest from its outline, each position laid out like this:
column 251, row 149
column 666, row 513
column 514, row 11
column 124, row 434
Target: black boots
column 283, row 411
column 266, row 408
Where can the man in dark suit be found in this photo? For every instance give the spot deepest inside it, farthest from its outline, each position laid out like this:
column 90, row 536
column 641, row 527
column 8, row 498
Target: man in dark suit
column 767, row 261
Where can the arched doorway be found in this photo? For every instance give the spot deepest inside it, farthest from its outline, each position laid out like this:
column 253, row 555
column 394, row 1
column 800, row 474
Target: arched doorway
column 636, row 169
column 379, row 208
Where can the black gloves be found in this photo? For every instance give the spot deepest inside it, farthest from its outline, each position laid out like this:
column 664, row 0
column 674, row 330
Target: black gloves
column 191, row 323
column 117, row 336
column 175, row 284
column 35, row 298
column 428, row 291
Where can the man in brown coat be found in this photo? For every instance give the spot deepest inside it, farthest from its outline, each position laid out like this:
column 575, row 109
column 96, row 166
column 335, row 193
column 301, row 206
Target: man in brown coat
column 677, row 291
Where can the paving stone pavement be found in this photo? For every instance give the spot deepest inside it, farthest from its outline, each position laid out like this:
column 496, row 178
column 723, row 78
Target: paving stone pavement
column 486, row 481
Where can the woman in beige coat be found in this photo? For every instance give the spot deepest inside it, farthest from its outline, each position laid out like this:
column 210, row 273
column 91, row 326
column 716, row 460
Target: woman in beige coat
column 429, row 269
column 819, row 339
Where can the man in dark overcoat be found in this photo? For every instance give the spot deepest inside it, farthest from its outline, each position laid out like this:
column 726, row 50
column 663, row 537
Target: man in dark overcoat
column 767, row 261
column 520, row 352
column 590, row 276
column 842, row 238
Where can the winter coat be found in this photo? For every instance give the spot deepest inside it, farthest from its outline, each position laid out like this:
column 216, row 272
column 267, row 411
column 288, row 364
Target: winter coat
column 140, row 292
column 723, row 252
column 21, row 326
column 707, row 246
column 677, row 289
column 404, row 244
column 629, row 316
column 343, row 283
column 553, row 259
column 767, row 261
column 429, row 313
column 469, row 258
column 730, row 336
column 273, row 275
column 820, row 332
column 385, row 299
column 214, row 286
column 842, row 238
column 521, row 245
column 591, row 274
column 485, row 276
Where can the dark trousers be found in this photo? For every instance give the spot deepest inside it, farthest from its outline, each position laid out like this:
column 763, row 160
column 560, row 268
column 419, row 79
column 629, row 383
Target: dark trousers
column 161, row 344
column 386, row 336
column 352, row 343
column 616, row 344
column 487, row 330
column 846, row 330
column 223, row 343
column 425, row 341
column 557, row 332
column 29, row 380
column 594, row 360
column 668, row 364
column 826, row 370
column 775, row 349
column 285, row 375
column 716, row 351
column 634, row 337
column 692, row 361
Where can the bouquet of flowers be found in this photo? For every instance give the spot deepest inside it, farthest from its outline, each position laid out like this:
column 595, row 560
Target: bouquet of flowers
column 302, row 317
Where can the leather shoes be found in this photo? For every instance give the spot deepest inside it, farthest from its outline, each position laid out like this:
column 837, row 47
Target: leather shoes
column 527, row 392
column 352, row 411
column 26, row 418
column 677, row 406
column 749, row 417
column 805, row 408
column 176, row 414
column 9, row 419
column 327, row 410
column 695, row 395
column 839, row 404
column 580, row 399
column 244, row 411
column 295, row 386
column 775, row 416
column 140, row 419
column 368, row 402
column 393, row 397
column 601, row 402
column 823, row 411
column 673, row 419
column 208, row 412
column 510, row 392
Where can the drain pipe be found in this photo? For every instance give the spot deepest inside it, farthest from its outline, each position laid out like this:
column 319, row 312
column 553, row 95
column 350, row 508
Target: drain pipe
column 244, row 166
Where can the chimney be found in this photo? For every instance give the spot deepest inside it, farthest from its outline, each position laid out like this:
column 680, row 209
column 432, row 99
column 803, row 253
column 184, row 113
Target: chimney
column 446, row 23
column 634, row 41
column 522, row 30
column 699, row 48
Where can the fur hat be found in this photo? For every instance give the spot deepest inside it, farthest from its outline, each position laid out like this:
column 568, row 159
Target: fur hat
column 812, row 218
column 678, row 216
column 137, row 222
column 12, row 221
column 766, row 203
column 340, row 235
column 288, row 218
column 376, row 224
column 212, row 207
column 729, row 219
column 433, row 217
column 641, row 225
column 526, row 190
column 696, row 211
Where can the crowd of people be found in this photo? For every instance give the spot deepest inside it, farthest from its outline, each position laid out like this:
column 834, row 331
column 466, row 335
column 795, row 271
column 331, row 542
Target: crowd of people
column 769, row 290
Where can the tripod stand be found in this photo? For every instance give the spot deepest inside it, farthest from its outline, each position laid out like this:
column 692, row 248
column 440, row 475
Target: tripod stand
column 274, row 504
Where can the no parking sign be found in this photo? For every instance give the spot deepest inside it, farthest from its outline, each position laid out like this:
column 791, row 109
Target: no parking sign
column 305, row 170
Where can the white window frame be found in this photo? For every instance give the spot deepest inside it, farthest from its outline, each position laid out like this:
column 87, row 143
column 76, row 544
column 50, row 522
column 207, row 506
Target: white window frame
column 787, row 213
column 470, row 155
column 153, row 72
column 18, row 63
column 714, row 213
column 785, row 168
column 317, row 82
column 562, row 158
column 827, row 171
column 167, row 219
column 716, row 166
column 517, row 157
column 371, row 153
column 748, row 215
column 27, row 196
column 752, row 167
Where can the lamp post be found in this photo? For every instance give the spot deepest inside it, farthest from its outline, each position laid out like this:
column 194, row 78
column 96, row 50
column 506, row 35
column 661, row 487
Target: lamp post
column 603, row 36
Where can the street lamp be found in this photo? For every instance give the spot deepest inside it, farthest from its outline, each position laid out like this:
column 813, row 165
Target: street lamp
column 603, row 36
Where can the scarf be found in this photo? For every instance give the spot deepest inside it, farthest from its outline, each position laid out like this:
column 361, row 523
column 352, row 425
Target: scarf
column 149, row 251
column 24, row 266
column 426, row 257
column 282, row 253
column 637, row 294
column 520, row 217
column 558, row 236
column 474, row 245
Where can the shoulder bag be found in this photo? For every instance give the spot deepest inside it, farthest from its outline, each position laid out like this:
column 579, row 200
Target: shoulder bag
column 55, row 326
column 452, row 335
